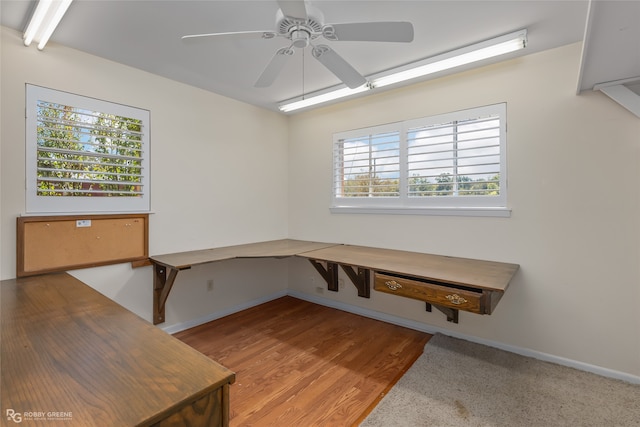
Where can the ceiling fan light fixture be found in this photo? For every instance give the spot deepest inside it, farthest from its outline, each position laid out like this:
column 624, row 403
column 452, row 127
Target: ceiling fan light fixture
column 44, row 21
column 300, row 38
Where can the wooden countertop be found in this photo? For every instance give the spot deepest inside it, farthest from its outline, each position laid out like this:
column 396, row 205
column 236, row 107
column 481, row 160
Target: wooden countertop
column 68, row 349
column 269, row 249
column 462, row 271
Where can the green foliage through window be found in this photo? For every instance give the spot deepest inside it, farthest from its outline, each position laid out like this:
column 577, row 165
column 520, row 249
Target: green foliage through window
column 87, row 153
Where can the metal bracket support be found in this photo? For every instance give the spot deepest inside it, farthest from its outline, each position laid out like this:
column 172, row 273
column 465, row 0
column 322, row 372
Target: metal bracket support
column 451, row 313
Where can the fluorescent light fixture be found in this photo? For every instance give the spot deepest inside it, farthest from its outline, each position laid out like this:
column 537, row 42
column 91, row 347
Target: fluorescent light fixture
column 325, row 97
column 446, row 61
column 44, row 21
column 467, row 55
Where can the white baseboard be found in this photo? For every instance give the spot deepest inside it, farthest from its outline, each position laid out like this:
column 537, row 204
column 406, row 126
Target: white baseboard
column 396, row 320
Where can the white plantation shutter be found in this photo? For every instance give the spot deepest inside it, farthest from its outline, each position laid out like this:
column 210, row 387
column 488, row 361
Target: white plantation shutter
column 367, row 164
column 85, row 155
column 451, row 160
column 458, row 157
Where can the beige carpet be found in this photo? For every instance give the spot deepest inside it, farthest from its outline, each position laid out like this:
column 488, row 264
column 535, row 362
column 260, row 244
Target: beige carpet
column 459, row 383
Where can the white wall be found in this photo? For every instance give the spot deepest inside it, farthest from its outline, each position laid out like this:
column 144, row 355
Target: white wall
column 573, row 174
column 573, row 179
column 218, row 174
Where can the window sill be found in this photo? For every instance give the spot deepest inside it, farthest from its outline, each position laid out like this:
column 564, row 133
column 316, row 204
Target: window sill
column 458, row 211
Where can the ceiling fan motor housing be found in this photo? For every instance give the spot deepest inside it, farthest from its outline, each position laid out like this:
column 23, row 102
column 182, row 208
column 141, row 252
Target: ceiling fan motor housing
column 300, row 31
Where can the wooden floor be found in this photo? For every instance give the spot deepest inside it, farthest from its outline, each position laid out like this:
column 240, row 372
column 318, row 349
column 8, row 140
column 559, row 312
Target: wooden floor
column 303, row 364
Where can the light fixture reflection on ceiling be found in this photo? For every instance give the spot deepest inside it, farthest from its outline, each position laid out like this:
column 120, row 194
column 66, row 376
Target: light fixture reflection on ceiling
column 44, row 21
column 456, row 58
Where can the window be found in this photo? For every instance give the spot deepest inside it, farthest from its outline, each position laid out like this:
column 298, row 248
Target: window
column 85, row 155
column 450, row 163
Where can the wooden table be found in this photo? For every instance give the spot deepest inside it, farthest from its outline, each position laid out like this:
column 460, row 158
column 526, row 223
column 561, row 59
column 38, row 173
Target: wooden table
column 447, row 283
column 70, row 356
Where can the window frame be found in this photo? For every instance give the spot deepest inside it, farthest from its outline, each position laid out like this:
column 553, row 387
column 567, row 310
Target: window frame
column 428, row 205
column 38, row 204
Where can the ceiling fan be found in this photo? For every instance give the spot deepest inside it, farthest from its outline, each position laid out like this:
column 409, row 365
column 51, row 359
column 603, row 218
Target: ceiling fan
column 302, row 24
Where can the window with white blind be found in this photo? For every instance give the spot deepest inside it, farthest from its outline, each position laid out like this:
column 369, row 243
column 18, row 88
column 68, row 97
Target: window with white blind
column 367, row 164
column 453, row 163
column 85, row 155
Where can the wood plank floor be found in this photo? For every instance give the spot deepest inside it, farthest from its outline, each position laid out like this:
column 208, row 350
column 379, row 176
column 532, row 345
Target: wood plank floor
column 303, row 364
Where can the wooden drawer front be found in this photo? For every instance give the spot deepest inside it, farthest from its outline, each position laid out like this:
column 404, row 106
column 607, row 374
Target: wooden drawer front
column 436, row 294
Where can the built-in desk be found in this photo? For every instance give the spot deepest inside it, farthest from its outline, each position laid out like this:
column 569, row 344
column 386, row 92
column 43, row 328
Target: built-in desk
column 166, row 267
column 71, row 356
column 447, row 283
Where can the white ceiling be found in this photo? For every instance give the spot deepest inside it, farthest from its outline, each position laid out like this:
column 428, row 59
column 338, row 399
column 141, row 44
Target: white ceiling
column 147, row 35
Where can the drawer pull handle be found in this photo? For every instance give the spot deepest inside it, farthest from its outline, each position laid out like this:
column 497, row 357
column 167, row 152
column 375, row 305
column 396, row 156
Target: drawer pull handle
column 456, row 299
column 393, row 285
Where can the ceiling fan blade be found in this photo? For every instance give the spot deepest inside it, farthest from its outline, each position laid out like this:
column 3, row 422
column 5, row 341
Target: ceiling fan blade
column 370, row 32
column 235, row 34
column 274, row 67
column 338, row 66
column 293, row 8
